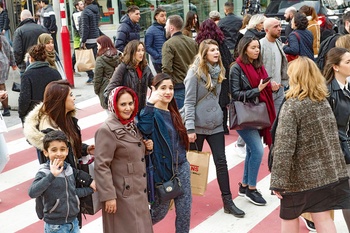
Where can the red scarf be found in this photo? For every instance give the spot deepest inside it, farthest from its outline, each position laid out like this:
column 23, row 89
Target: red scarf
column 254, row 76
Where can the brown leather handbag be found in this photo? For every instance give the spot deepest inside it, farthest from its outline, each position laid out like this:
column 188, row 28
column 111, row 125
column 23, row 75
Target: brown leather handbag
column 248, row 115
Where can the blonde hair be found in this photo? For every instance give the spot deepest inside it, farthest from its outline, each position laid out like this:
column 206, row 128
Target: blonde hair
column 306, row 80
column 255, row 20
column 343, row 41
column 200, row 63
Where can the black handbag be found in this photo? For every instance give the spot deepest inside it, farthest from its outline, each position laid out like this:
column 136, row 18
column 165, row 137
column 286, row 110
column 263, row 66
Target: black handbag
column 16, row 87
column 248, row 115
column 170, row 189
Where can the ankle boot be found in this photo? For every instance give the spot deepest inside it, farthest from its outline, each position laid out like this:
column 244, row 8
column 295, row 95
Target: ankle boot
column 230, row 207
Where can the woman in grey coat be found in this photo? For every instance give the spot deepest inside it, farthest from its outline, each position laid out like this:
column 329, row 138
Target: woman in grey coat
column 203, row 114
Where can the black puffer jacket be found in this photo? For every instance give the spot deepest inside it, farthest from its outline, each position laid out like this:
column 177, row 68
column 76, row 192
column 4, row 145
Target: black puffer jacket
column 33, row 83
column 127, row 31
column 255, row 33
column 126, row 75
column 4, row 20
column 230, row 26
column 340, row 102
column 25, row 36
column 88, row 25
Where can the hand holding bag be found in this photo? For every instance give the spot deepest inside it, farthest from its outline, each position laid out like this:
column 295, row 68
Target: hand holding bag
column 15, row 75
column 85, row 60
column 248, row 115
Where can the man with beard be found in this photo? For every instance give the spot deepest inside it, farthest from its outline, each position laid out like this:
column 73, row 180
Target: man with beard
column 155, row 38
column 288, row 15
column 275, row 63
column 177, row 55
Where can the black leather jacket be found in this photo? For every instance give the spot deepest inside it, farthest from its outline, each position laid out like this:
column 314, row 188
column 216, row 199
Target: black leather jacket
column 340, row 104
column 239, row 84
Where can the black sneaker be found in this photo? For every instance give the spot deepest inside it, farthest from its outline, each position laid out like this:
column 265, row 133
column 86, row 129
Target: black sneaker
column 309, row 225
column 255, row 197
column 6, row 112
column 241, row 190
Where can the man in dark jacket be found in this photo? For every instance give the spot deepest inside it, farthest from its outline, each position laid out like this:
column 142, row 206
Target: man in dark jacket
column 288, row 15
column 25, row 36
column 230, row 26
column 129, row 29
column 49, row 20
column 89, row 31
column 155, row 38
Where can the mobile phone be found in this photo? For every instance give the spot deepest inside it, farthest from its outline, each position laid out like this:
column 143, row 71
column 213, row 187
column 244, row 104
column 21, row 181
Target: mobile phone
column 266, row 80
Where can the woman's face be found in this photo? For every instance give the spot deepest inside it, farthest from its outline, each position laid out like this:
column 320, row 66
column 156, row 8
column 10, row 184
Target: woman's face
column 50, row 46
column 140, row 52
column 253, row 50
column 166, row 90
column 344, row 66
column 213, row 54
column 125, row 106
column 293, row 24
column 98, row 46
column 70, row 106
column 195, row 19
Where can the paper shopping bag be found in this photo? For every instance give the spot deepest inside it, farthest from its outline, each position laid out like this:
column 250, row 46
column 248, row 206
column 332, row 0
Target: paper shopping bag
column 199, row 162
column 85, row 60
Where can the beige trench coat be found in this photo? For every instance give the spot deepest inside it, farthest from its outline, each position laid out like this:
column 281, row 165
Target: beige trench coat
column 120, row 173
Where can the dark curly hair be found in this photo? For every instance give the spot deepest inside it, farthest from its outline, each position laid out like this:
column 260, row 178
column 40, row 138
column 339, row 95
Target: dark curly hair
column 300, row 21
column 209, row 30
column 38, row 52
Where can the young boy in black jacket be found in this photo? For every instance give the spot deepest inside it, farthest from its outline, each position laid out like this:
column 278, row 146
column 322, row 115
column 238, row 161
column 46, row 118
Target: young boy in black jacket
column 55, row 182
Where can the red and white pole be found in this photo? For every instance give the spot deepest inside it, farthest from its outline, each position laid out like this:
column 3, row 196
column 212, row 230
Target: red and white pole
column 65, row 40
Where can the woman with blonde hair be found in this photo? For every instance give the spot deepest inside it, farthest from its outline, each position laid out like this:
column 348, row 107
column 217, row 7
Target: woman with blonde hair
column 308, row 171
column 313, row 26
column 343, row 41
column 203, row 114
column 255, row 26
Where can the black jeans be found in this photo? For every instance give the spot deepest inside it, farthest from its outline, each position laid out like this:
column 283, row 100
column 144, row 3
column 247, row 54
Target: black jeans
column 94, row 50
column 217, row 146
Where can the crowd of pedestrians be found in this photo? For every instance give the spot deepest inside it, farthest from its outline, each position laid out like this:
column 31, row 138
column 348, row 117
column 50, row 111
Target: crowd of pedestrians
column 200, row 68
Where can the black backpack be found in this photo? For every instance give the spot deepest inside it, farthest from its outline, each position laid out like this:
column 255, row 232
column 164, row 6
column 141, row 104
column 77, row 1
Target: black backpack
column 325, row 46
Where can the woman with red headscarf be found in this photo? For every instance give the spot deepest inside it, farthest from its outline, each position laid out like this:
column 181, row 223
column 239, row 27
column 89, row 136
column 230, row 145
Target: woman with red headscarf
column 120, row 169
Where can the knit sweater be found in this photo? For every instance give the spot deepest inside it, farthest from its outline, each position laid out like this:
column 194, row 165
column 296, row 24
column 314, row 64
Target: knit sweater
column 307, row 153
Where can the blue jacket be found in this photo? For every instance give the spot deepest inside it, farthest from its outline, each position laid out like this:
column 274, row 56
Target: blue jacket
column 127, row 31
column 302, row 46
column 151, row 124
column 154, row 40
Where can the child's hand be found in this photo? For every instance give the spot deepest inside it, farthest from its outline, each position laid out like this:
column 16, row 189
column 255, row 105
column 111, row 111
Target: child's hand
column 93, row 185
column 155, row 96
column 55, row 167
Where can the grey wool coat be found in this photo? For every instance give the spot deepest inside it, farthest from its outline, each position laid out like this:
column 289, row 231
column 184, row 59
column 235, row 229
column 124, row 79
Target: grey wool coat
column 120, row 173
column 307, row 153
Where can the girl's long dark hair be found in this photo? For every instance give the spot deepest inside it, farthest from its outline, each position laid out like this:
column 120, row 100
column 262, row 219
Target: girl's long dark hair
column 54, row 105
column 174, row 112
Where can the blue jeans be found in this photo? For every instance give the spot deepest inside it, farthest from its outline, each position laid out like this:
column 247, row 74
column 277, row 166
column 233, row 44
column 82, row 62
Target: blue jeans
column 179, row 95
column 255, row 152
column 72, row 227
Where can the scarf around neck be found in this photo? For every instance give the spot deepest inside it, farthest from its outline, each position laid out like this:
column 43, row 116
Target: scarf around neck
column 37, row 64
column 51, row 58
column 254, row 76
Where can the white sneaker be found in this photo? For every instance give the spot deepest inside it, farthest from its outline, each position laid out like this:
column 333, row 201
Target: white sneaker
column 241, row 150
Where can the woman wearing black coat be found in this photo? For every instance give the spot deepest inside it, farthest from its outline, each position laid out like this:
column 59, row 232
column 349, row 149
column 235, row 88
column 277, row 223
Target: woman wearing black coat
column 209, row 30
column 34, row 80
column 133, row 72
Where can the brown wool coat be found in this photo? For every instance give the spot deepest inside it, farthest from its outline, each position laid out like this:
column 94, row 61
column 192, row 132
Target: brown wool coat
column 120, row 173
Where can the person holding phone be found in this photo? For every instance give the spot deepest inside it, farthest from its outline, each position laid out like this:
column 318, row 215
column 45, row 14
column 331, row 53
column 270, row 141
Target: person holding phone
column 249, row 79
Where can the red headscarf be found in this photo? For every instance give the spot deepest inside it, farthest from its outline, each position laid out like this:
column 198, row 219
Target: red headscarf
column 113, row 103
column 254, row 76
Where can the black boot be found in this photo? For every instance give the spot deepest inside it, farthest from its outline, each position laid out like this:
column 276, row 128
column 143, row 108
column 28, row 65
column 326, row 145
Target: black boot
column 230, row 207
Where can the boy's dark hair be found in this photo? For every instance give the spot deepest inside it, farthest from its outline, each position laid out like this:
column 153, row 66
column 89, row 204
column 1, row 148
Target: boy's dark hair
column 54, row 135
column 45, row 1
column 229, row 7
